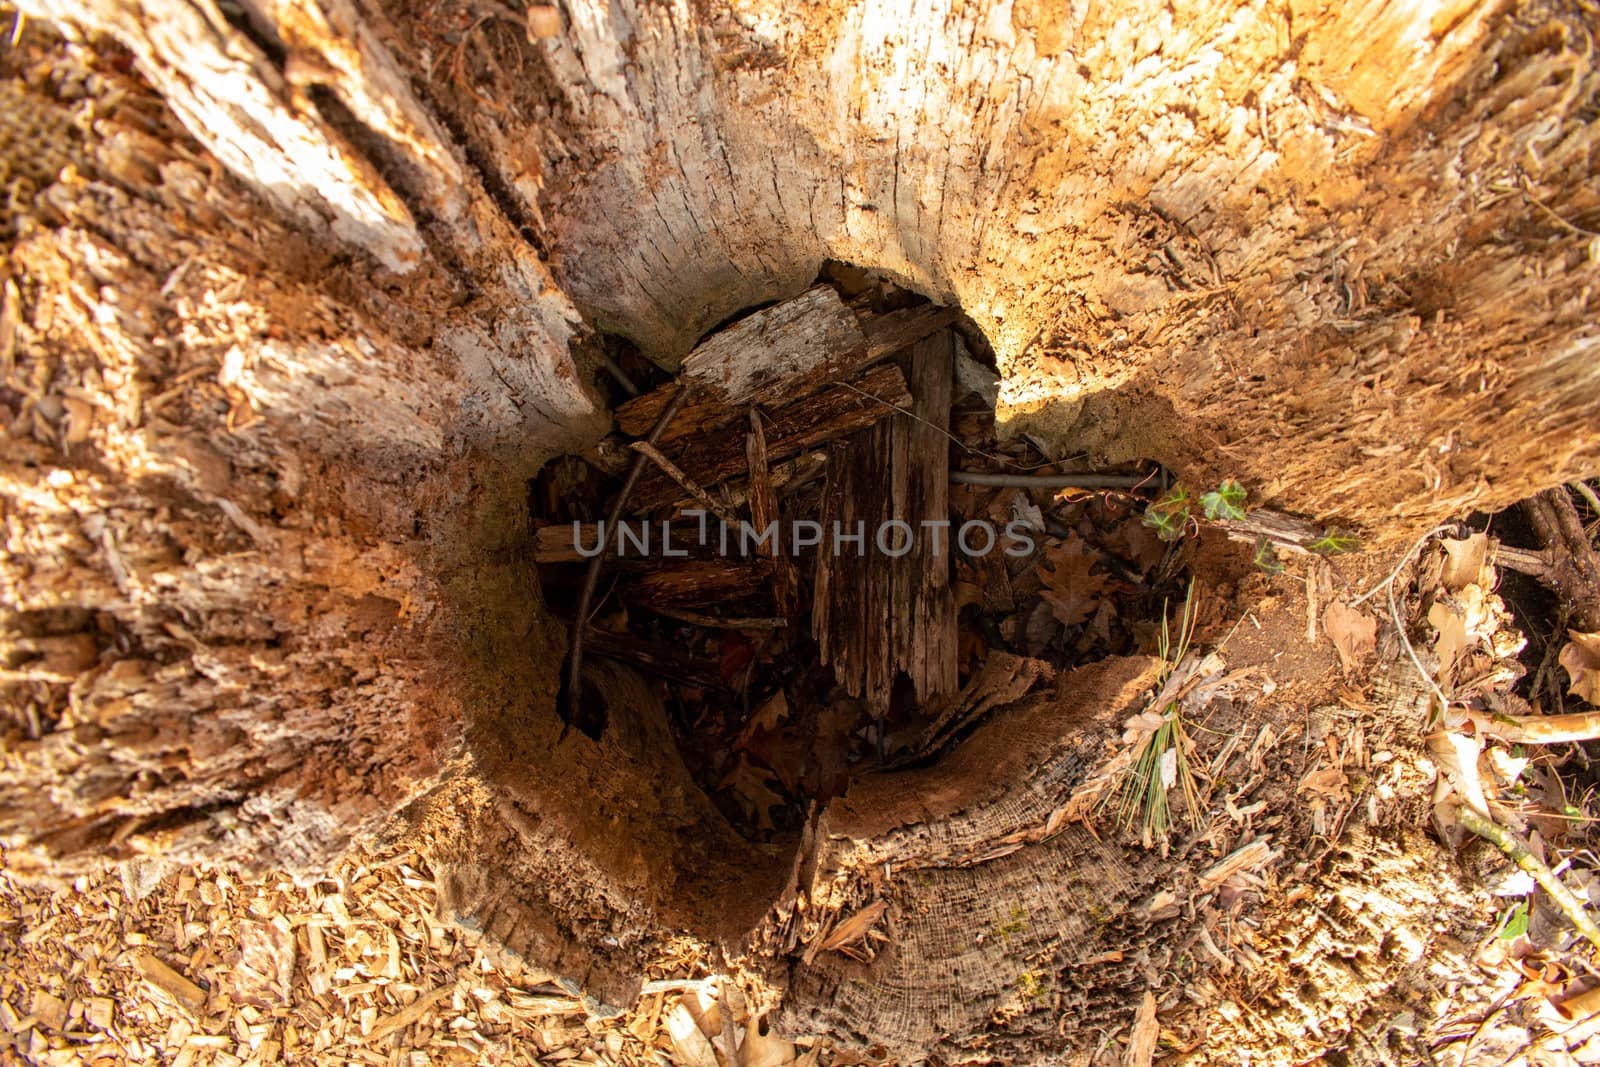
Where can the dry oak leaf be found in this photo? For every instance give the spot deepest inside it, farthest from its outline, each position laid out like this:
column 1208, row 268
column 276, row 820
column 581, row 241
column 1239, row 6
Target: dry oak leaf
column 1354, row 633
column 1581, row 658
column 1069, row 588
column 749, row 783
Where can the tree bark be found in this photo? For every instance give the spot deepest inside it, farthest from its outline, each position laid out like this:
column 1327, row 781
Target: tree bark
column 301, row 303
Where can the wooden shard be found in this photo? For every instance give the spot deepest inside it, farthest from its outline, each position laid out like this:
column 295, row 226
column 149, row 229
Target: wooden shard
column 852, row 594
column 878, row 338
column 879, row 608
column 688, row 583
column 923, row 619
column 764, row 513
column 833, row 413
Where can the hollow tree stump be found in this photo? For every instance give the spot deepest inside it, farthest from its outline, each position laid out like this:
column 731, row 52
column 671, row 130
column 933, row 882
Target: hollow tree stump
column 295, row 303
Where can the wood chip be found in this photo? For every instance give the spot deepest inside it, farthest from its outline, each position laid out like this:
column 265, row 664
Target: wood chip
column 160, row 974
column 408, row 1014
column 1146, row 1031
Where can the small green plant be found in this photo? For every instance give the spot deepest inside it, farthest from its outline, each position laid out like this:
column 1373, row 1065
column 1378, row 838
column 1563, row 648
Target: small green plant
column 1333, row 542
column 1516, row 923
column 1169, row 515
column 1029, row 986
column 1162, row 763
column 1172, row 514
column 1225, row 502
column 1266, row 557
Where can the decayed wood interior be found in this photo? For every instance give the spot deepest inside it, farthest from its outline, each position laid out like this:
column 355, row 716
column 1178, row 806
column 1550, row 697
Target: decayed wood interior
column 292, row 316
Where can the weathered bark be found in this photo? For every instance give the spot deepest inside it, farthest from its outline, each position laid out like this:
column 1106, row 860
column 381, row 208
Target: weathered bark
column 280, row 361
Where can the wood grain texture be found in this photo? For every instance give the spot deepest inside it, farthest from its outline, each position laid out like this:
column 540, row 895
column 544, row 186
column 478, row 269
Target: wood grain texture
column 715, row 457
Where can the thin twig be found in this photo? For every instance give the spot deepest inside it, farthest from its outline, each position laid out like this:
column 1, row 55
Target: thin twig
column 908, row 413
column 1051, row 481
column 1507, row 842
column 1415, row 548
column 1400, row 628
column 591, row 579
column 619, row 374
column 1394, row 610
column 686, row 483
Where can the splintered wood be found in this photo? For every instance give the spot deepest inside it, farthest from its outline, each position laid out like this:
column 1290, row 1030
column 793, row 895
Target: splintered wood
column 886, row 605
column 803, row 388
column 809, row 589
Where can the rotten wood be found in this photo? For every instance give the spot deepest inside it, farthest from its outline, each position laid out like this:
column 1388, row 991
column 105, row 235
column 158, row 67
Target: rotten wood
column 881, row 336
column 851, row 593
column 717, row 622
column 923, row 612
column 684, row 583
column 833, row 413
column 764, row 514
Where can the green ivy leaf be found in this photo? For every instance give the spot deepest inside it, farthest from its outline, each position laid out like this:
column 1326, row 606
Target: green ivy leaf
column 1266, row 557
column 1226, row 501
column 1333, row 542
column 1169, row 515
column 1516, row 923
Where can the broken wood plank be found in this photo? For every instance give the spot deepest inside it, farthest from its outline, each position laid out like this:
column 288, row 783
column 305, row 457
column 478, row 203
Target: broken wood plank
column 799, row 427
column 687, row 582
column 923, row 614
column 852, row 595
column 881, row 336
column 776, row 344
column 764, row 514
column 787, row 476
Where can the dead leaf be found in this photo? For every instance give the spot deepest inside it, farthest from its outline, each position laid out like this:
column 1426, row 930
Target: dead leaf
column 1354, row 633
column 1146, row 1030
column 772, row 711
column 1465, row 561
column 1328, row 782
column 1452, row 641
column 1026, row 512
column 762, row 1047
column 1581, row 658
column 1070, row 588
column 693, row 1047
column 749, row 783
column 543, row 20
